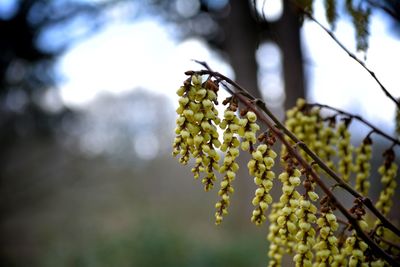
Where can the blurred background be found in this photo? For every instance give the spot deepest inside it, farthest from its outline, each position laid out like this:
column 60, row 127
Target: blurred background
column 87, row 112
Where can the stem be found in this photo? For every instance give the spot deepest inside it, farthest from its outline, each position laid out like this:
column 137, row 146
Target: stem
column 244, row 93
column 352, row 220
column 280, row 131
column 330, row 33
column 360, row 119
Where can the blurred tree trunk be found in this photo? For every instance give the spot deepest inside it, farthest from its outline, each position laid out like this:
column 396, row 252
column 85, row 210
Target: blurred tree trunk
column 240, row 44
column 288, row 39
column 243, row 33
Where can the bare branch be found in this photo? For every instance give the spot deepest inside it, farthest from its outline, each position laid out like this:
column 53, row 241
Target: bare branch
column 360, row 119
column 330, row 33
column 259, row 107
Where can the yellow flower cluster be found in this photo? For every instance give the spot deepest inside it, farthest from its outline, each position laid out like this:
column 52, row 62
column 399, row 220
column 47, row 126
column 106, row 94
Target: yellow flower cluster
column 230, row 125
column 196, row 130
column 362, row 166
column 388, row 171
column 296, row 226
column 276, row 247
column 306, row 123
column 305, row 236
column 248, row 129
column 296, row 122
column 263, row 159
column 345, row 151
column 355, row 248
column 328, row 138
column 290, row 198
column 326, row 247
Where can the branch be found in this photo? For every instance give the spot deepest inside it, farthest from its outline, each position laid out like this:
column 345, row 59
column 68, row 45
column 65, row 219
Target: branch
column 330, row 33
column 359, row 118
column 280, row 131
column 352, row 220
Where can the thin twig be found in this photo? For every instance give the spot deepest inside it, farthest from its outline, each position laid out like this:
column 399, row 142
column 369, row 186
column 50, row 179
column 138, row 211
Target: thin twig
column 331, row 34
column 366, row 201
column 359, row 118
column 352, row 220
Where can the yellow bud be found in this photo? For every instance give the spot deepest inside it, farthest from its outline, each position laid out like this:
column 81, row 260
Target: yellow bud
column 295, row 181
column 353, row 262
column 302, row 248
column 283, row 177
column 291, row 227
column 227, row 137
column 228, row 160
column 201, row 93
column 255, row 201
column 254, row 127
column 312, row 195
column 257, row 180
column 198, row 116
column 211, row 95
column 224, row 184
column 270, row 175
column 234, row 152
column 269, row 162
column 331, row 217
column 267, row 184
column 257, row 155
column 268, row 199
column 249, row 136
column 198, row 139
column 260, row 191
column 188, row 113
column 287, row 189
column 324, row 232
column 251, row 116
column 181, row 91
column 363, row 245
column 231, row 175
column 180, row 121
column 234, row 127
column 229, row 115
column 185, row 134
column 245, row 145
column 305, row 226
column 286, row 211
column 296, row 173
column 358, row 253
column 272, row 153
column 332, row 240
column 256, row 212
column 225, row 197
column 207, row 104
column 216, row 143
column 281, row 220
column 196, row 80
column 183, row 101
column 300, row 235
column 263, row 205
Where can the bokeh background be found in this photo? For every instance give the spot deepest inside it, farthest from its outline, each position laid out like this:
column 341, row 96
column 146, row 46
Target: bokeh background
column 87, row 100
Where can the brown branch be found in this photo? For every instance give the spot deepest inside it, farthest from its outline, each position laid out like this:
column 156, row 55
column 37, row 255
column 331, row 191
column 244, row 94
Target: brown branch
column 334, row 38
column 352, row 220
column 359, row 118
column 280, row 131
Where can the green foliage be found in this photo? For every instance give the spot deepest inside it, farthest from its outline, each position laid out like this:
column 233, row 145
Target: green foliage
column 156, row 244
